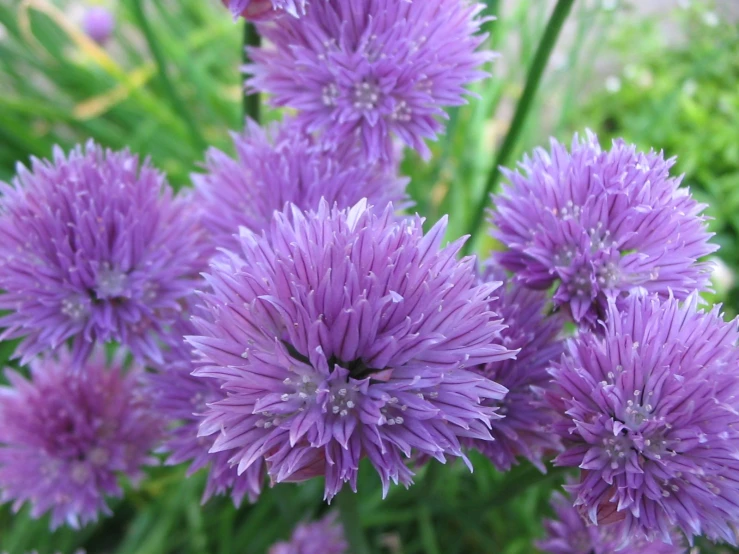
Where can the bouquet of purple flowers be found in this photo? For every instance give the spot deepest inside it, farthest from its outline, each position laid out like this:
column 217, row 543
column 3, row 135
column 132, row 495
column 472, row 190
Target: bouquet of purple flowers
column 289, row 317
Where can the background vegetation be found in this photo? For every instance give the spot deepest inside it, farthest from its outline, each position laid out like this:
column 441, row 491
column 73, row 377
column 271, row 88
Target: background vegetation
column 58, row 87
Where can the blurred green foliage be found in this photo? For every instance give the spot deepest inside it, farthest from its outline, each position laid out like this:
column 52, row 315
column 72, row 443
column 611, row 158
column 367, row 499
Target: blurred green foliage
column 56, row 87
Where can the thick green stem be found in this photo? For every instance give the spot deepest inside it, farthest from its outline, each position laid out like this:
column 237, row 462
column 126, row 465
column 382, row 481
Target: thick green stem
column 251, row 101
column 349, row 512
column 539, row 63
column 169, row 89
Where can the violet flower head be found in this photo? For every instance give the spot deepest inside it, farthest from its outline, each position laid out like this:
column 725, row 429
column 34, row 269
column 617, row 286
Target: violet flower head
column 651, row 417
column 600, row 224
column 282, row 164
column 325, row 536
column 67, row 435
column 524, row 430
column 346, row 336
column 257, row 10
column 570, row 533
column 363, row 71
column 93, row 247
column 98, row 23
column 180, row 399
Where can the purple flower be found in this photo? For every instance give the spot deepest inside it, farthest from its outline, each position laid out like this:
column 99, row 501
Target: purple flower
column 66, row 435
column 524, row 431
column 94, row 248
column 652, row 419
column 98, row 24
column 600, row 224
column 255, row 10
column 346, row 336
column 363, row 71
column 320, row 537
column 282, row 164
column 181, row 398
column 570, row 533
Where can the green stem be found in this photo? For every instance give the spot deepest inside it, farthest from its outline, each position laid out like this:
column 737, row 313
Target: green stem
column 349, row 512
column 539, row 63
column 251, row 101
column 528, row 477
column 176, row 101
column 426, row 530
column 518, row 481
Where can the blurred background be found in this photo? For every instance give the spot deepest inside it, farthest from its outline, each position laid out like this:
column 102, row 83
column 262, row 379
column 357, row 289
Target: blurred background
column 659, row 73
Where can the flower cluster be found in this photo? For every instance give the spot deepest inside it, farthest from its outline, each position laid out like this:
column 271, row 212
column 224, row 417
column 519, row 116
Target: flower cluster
column 94, row 248
column 346, row 336
column 325, row 536
column 331, row 330
column 282, row 164
column 524, row 430
column 600, row 224
column 364, row 71
column 66, row 435
column 652, row 419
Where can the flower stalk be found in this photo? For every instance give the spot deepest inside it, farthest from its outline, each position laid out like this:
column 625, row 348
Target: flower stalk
column 533, row 78
column 349, row 513
column 174, row 98
column 251, row 100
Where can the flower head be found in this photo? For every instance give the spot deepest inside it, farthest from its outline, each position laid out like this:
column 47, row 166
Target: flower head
column 652, row 419
column 256, row 10
column 181, row 398
column 283, row 164
column 320, row 537
column 93, row 247
column 600, row 224
column 98, row 24
column 570, row 533
column 365, row 70
column 524, row 430
column 66, row 435
column 346, row 335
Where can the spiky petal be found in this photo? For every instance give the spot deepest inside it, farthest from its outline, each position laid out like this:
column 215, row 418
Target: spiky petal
column 180, row 399
column 524, row 431
column 346, row 336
